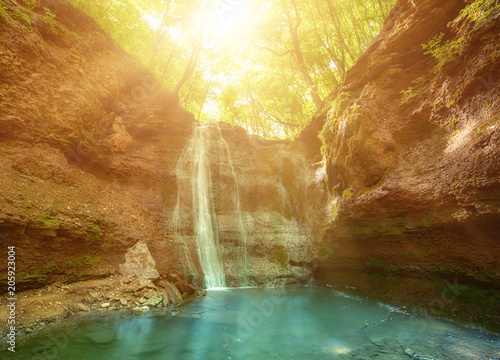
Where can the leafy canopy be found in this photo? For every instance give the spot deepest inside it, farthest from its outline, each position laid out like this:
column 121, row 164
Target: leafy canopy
column 264, row 65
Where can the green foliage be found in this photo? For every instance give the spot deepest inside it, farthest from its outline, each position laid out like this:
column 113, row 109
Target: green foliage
column 47, row 214
column 347, row 193
column 87, row 260
column 472, row 294
column 38, row 275
column 481, row 10
column 30, row 4
column 259, row 66
column 94, row 232
column 53, row 224
column 443, row 53
column 433, row 43
column 74, row 276
column 47, row 218
column 415, row 87
column 483, row 274
column 396, row 281
column 49, row 17
column 2, row 9
column 22, row 18
column 376, row 277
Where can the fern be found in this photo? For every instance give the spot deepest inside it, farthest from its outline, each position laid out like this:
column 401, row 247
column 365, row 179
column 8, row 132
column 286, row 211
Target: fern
column 30, row 4
column 481, row 10
column 442, row 53
column 24, row 19
column 2, row 9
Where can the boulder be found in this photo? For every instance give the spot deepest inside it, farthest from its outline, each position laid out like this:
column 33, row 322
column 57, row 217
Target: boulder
column 154, row 301
column 171, row 294
column 139, row 263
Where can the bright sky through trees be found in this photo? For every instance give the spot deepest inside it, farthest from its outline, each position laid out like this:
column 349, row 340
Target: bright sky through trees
column 264, row 65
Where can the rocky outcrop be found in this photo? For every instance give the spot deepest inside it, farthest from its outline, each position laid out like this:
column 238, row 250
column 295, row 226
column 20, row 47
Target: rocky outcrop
column 265, row 198
column 139, row 263
column 411, row 150
column 141, row 284
column 89, row 145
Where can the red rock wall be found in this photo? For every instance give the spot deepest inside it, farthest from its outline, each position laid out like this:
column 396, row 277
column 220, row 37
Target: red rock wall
column 412, row 155
column 89, row 145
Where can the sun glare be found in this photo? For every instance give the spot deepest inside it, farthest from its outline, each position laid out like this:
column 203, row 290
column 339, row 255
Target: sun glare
column 227, row 18
column 154, row 22
column 174, row 33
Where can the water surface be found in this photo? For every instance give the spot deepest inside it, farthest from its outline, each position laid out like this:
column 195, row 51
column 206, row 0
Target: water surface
column 292, row 323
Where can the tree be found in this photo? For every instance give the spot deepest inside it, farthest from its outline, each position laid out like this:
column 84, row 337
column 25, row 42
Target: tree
column 264, row 65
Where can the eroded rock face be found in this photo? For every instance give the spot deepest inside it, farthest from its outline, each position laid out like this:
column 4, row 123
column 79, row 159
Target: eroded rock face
column 265, row 197
column 85, row 153
column 141, row 284
column 411, row 148
column 89, row 145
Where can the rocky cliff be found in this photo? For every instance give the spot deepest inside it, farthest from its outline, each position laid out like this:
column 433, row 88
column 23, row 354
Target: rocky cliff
column 89, row 151
column 402, row 187
column 411, row 146
column 266, row 197
column 81, row 125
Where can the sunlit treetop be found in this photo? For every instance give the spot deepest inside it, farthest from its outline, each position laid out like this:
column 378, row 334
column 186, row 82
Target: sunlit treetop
column 264, row 65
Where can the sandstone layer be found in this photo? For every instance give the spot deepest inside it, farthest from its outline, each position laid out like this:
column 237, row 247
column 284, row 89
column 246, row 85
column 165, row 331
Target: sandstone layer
column 89, row 146
column 411, row 146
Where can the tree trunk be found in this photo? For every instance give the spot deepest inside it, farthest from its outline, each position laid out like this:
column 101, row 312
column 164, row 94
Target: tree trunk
column 193, row 60
column 298, row 55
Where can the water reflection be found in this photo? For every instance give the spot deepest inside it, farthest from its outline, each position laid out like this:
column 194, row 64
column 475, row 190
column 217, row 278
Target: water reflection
column 293, row 323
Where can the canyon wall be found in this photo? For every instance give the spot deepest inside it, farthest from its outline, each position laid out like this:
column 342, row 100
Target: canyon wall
column 411, row 146
column 89, row 145
column 266, row 198
column 399, row 197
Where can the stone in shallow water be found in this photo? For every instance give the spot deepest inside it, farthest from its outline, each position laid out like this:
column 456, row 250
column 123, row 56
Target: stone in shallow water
column 147, row 348
column 154, row 301
column 377, row 339
column 102, row 337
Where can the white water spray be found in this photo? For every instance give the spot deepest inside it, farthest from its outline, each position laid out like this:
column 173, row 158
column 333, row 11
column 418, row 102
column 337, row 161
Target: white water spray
column 195, row 215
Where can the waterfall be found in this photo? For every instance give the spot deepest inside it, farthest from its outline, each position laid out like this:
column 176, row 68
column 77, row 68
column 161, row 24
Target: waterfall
column 207, row 186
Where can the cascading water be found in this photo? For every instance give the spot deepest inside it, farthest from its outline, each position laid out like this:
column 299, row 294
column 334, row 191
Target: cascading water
column 206, row 177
